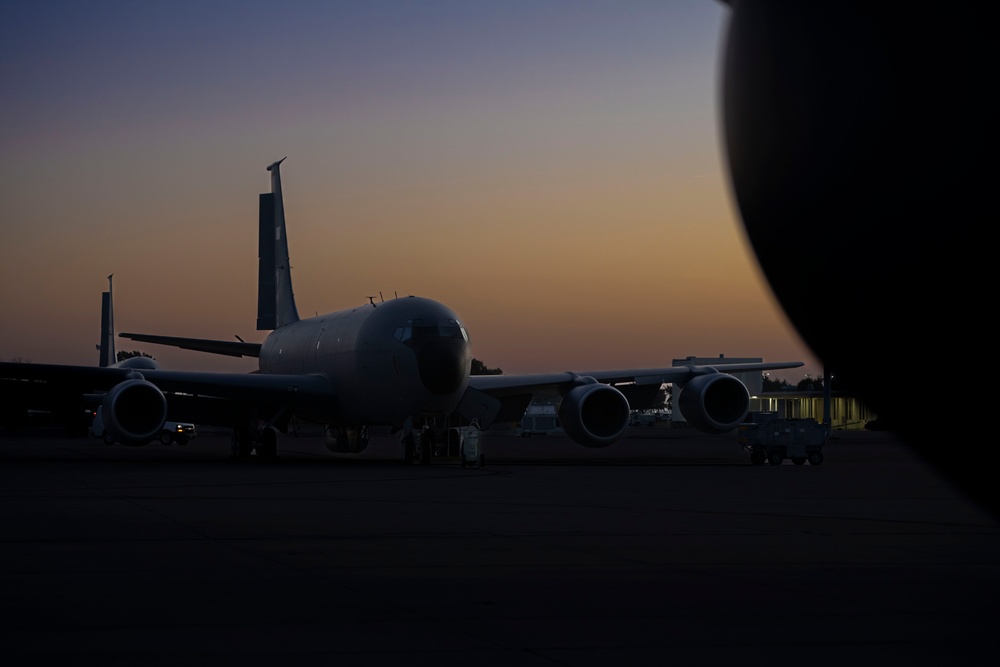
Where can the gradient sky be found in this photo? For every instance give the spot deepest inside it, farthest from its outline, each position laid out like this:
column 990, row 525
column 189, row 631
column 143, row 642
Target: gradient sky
column 551, row 170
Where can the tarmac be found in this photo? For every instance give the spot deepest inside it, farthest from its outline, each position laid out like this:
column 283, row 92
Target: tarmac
column 667, row 547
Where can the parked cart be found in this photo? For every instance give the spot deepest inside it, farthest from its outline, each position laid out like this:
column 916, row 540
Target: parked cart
column 773, row 440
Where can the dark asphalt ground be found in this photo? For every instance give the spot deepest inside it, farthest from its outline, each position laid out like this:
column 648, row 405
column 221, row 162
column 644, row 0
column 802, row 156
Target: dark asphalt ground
column 667, row 547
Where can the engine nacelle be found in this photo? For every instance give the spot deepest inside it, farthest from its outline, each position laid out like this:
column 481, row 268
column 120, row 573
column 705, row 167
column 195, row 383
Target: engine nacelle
column 714, row 403
column 134, row 412
column 594, row 414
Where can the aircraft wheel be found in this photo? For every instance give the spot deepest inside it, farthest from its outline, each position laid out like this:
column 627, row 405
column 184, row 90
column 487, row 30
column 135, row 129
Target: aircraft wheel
column 241, row 443
column 428, row 445
column 798, row 460
column 482, row 461
column 166, row 437
column 268, row 448
column 757, row 457
column 106, row 437
column 815, row 457
column 425, row 453
column 775, row 458
column 407, row 447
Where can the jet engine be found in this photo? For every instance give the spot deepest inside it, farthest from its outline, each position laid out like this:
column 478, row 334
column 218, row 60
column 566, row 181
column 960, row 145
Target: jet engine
column 594, row 414
column 714, row 403
column 134, row 411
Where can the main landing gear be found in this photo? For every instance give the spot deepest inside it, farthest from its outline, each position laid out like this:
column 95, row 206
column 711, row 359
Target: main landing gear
column 408, row 447
column 246, row 444
column 417, row 446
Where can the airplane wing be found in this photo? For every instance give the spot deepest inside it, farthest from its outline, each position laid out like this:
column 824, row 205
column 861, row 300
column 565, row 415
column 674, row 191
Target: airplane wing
column 229, row 348
column 501, row 385
column 193, row 394
column 714, row 402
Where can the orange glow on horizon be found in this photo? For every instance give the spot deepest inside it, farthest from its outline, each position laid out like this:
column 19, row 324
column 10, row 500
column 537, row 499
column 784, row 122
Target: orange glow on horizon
column 567, row 199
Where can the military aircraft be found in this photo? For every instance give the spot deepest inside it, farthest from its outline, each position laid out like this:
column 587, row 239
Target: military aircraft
column 402, row 363
column 71, row 404
column 171, row 431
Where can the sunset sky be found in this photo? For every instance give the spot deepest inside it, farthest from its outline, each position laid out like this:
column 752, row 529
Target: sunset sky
column 551, row 170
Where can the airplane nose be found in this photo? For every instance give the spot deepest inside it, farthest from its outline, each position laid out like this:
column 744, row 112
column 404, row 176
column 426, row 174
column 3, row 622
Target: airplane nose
column 443, row 364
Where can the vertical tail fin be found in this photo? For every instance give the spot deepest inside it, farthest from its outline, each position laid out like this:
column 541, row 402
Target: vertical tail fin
column 266, row 294
column 275, row 299
column 107, row 346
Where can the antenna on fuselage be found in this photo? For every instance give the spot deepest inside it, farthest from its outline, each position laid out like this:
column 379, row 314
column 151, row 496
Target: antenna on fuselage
column 371, row 300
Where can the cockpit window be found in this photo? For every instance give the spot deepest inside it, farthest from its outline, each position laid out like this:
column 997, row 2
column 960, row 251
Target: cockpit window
column 417, row 329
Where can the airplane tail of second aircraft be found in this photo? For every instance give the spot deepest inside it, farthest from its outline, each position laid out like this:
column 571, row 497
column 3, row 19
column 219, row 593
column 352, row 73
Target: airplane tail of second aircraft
column 275, row 299
column 107, row 346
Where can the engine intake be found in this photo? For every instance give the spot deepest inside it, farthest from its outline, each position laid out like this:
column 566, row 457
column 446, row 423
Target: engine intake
column 134, row 412
column 714, row 403
column 594, row 414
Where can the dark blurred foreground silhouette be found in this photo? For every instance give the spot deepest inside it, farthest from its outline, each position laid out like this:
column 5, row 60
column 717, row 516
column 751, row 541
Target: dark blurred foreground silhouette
column 859, row 138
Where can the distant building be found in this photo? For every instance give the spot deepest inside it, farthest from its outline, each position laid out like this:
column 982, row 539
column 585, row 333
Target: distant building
column 846, row 412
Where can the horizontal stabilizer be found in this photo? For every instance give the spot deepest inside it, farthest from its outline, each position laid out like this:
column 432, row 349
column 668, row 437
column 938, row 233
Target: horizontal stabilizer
column 229, row 348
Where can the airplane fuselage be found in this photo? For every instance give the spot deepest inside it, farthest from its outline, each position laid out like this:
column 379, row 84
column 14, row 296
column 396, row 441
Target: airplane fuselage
column 387, row 361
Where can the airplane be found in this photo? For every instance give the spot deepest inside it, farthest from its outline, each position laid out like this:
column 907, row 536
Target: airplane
column 403, row 363
column 171, row 431
column 74, row 409
column 108, row 359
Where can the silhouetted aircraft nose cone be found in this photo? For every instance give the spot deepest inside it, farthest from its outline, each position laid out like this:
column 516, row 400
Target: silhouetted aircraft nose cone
column 443, row 364
column 856, row 137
